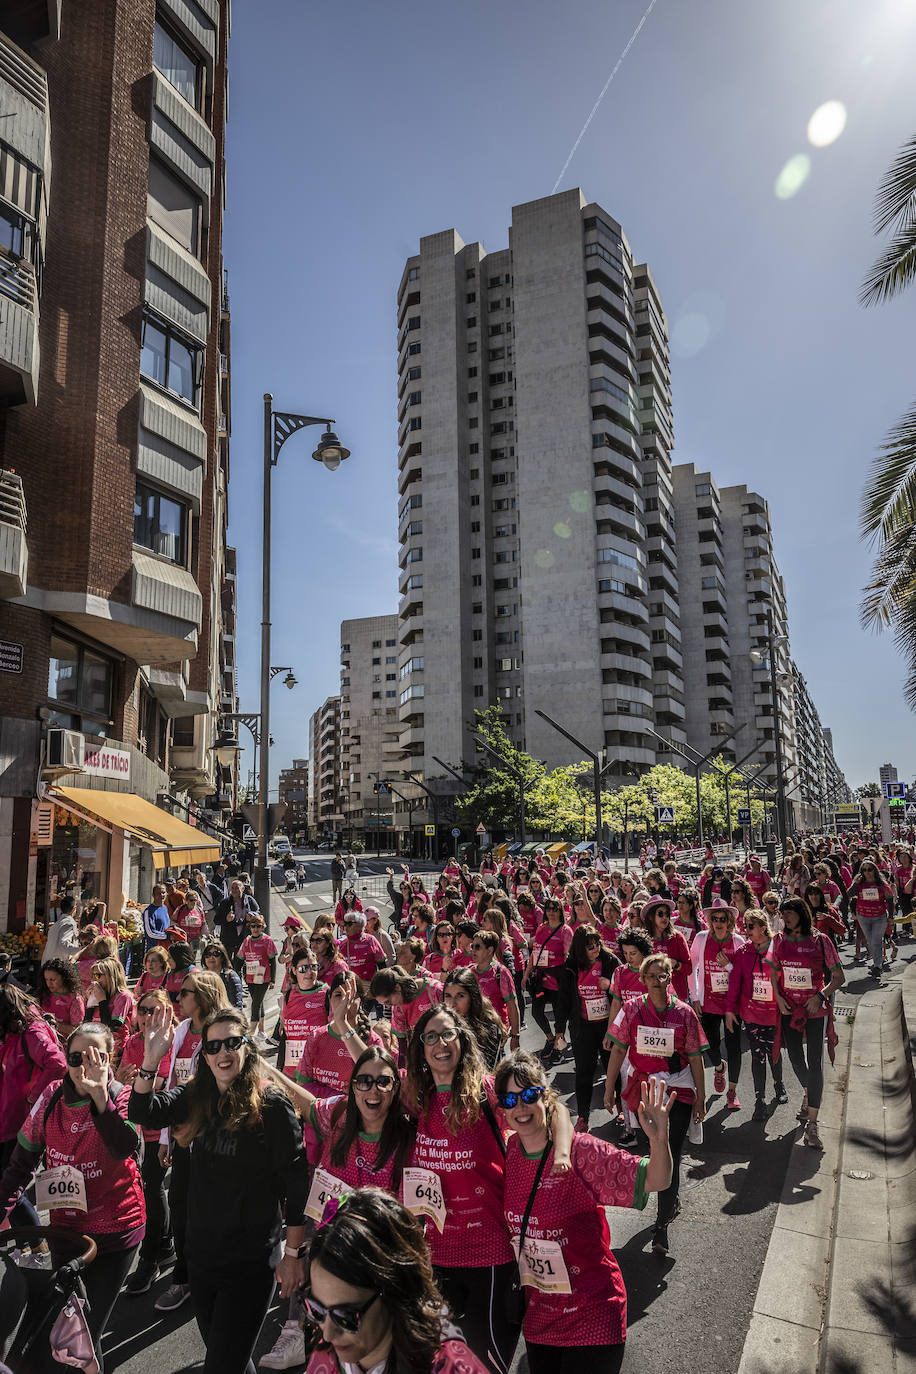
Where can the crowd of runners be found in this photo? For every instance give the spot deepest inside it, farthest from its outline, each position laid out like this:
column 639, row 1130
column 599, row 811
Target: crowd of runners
column 380, row 1154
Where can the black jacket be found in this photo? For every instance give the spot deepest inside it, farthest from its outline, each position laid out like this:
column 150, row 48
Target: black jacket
column 725, row 891
column 568, row 1004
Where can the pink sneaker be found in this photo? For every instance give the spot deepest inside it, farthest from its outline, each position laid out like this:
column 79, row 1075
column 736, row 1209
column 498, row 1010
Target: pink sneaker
column 731, row 1100
column 718, row 1081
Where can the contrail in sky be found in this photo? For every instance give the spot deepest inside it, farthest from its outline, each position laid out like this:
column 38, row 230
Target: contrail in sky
column 594, row 110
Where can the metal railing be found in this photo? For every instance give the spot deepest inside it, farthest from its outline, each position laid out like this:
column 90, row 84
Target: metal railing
column 17, row 279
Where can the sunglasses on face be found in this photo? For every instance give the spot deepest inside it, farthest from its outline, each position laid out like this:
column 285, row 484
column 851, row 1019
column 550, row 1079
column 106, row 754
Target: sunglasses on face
column 527, row 1095
column 344, row 1318
column 145, row 1011
column 719, row 921
column 365, row 1082
column 306, row 968
column 75, row 1057
column 228, row 1042
column 432, row 1037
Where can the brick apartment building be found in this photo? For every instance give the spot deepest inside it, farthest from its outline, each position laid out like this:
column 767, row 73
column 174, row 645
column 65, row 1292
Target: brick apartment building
column 118, row 599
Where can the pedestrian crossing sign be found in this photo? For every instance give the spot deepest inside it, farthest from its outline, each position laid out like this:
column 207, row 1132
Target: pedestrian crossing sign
column 664, row 815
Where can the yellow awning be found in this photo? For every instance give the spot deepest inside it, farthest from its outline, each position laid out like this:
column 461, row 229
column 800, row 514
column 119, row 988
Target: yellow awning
column 174, row 843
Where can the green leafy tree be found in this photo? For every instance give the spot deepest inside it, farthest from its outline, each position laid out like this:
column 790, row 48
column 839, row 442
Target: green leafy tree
column 563, row 802
column 868, row 789
column 493, row 798
column 888, row 508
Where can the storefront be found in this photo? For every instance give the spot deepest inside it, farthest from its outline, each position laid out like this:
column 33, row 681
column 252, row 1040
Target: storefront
column 110, row 845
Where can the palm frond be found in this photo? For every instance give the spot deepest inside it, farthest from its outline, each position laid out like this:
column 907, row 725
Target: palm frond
column 889, row 499
column 895, row 269
column 893, row 582
column 897, row 189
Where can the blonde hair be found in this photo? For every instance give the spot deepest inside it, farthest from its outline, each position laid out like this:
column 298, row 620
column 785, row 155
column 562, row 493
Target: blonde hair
column 209, row 991
column 112, row 972
column 104, row 948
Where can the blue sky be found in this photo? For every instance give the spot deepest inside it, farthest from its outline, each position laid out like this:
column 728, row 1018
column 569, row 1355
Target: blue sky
column 358, row 127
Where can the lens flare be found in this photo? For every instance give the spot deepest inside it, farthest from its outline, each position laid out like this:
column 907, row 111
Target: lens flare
column 562, row 530
column 826, row 124
column 690, row 334
column 793, row 176
column 544, row 559
column 579, row 501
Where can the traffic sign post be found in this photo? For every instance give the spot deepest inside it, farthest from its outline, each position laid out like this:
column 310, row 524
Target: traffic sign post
column 894, row 789
column 455, row 833
column 430, row 830
column 744, row 815
column 664, row 815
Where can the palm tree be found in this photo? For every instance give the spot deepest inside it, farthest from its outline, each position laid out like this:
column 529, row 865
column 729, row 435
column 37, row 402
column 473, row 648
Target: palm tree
column 888, row 510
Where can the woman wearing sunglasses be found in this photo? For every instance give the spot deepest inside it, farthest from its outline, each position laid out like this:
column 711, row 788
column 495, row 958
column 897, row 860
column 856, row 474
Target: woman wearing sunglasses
column 303, row 1008
column 656, row 917
column 157, row 1245
column 372, row 1296
column 871, row 898
column 549, row 949
column 688, row 919
column 751, row 999
column 330, row 960
column 79, row 1128
column 712, row 954
column 576, row 1312
column 215, row 959
column 805, row 971
column 246, row 1166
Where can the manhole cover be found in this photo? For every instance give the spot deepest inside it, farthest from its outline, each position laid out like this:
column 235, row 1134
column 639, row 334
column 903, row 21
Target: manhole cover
column 859, row 1173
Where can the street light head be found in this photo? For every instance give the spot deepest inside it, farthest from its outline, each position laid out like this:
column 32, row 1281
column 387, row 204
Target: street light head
column 290, row 680
column 330, row 451
column 758, row 658
column 226, row 748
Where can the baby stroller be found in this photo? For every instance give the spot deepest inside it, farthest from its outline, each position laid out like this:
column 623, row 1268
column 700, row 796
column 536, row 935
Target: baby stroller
column 37, row 1308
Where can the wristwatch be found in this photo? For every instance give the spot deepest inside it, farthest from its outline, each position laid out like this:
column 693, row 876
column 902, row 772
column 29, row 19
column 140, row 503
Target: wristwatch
column 348, row 1035
column 147, row 1073
column 294, row 1251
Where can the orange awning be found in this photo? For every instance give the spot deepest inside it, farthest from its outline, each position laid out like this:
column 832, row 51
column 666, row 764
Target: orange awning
column 174, row 843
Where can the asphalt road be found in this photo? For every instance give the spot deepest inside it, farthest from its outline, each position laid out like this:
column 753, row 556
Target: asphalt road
column 696, row 1303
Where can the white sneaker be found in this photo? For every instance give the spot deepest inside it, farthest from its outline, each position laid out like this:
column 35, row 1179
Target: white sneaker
column 174, row 1296
column 289, row 1350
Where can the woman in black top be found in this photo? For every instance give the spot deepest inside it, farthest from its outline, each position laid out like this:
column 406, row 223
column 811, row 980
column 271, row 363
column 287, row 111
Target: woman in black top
column 215, row 958
column 583, row 1003
column 247, row 1165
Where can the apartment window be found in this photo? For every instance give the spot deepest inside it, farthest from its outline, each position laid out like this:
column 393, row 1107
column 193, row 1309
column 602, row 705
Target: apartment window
column 472, row 322
column 472, row 347
column 478, row 690
column 376, row 663
column 623, row 560
column 177, row 63
column 173, row 206
column 414, row 582
column 391, row 677
column 702, row 489
column 410, row 692
column 390, row 659
column 504, row 531
column 160, row 524
column 412, row 350
column 79, row 687
column 473, row 423
column 416, row 422
column 477, row 608
column 477, row 663
column 391, row 694
column 477, row 580
column 376, row 696
column 475, row 527
column 392, row 643
column 472, row 397
column 496, row 329
column 477, row 635
column 475, row 553
column 470, row 273
column 413, row 374
column 413, row 322
column 494, row 281
column 376, row 643
column 472, row 449
column 499, row 428
column 498, row 403
column 497, row 378
column 609, row 584
column 472, row 372
column 413, row 274
column 474, row 474
column 169, row 359
column 475, row 501
column 415, row 398
column 496, row 354
column 503, row 610
column 415, row 527
column 376, row 677
column 414, row 555
column 470, row 298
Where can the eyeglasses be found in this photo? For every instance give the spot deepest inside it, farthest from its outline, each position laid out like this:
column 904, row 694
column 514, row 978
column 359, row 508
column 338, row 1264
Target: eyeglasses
column 145, row 1011
column 365, row 1082
column 304, row 967
column 720, row 920
column 527, row 1095
column 344, row 1318
column 75, row 1057
column 229, row 1042
column 432, row 1037
column 478, row 945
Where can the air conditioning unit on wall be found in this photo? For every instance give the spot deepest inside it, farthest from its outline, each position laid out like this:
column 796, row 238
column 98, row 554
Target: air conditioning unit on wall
column 66, row 752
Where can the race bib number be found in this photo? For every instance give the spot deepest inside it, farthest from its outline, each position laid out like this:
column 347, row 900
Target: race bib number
column 655, row 1040
column 763, row 989
column 324, row 1187
column 869, row 894
column 254, row 971
column 295, row 1049
column 718, row 980
column 423, row 1196
column 193, row 923
column 184, row 1068
column 63, row 1187
column 597, row 1008
column 798, row 979
column 542, row 1266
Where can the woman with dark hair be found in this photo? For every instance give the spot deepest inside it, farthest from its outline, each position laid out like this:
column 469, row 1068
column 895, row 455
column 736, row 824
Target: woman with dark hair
column 327, row 1060
column 30, row 1059
column 584, row 1005
column 805, row 971
column 79, row 1127
column 549, row 948
column 181, row 958
column 215, row 959
column 330, row 961
column 656, row 918
column 576, row 1314
column 712, row 954
column 246, row 1166
column 689, row 919
column 348, row 902
column 408, row 997
column 400, row 896
column 823, row 913
column 442, row 947
column 495, row 980
column 463, row 994
column 303, row 1009
column 373, row 1298
column 871, row 897
column 62, row 995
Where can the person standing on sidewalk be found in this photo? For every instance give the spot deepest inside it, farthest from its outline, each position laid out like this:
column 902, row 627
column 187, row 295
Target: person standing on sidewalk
column 337, row 877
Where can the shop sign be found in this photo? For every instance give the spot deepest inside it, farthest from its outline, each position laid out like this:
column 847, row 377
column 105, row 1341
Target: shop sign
column 102, row 761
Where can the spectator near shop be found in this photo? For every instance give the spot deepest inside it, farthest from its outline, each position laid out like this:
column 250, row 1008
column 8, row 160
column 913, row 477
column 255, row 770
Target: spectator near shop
column 155, row 919
column 63, row 937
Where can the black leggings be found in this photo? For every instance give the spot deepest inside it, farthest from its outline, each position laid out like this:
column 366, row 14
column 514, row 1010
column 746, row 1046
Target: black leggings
column 713, row 1026
column 539, row 1007
column 588, row 1048
column 761, row 1039
column 178, row 1208
column 519, row 994
column 230, row 1307
column 477, row 1298
column 572, row 1359
column 806, row 1055
column 258, row 993
column 678, row 1126
column 157, row 1207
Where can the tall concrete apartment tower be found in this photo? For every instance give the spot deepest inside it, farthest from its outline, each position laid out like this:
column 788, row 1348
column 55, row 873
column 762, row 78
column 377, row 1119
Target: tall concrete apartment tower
column 117, row 606
column 324, row 804
column 537, row 556
column 369, row 729
column 729, row 582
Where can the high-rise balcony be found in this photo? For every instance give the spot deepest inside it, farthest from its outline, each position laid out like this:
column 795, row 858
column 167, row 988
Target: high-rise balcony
column 14, row 552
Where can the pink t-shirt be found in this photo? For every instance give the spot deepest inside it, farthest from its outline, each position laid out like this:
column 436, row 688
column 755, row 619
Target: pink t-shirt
column 148, row 983
column 257, row 955
column 872, row 899
column 626, row 983
column 676, row 948
column 114, row 1192
column 471, row 1171
column 133, row 1055
column 532, row 917
column 184, row 1062
column 568, row 1210
column 678, row 1017
column 452, row 1357
column 326, row 1066
column 364, row 955
column 803, row 967
column 406, row 1016
column 591, row 995
column 496, row 983
column 360, row 1167
column 715, row 974
column 304, row 1010
column 433, row 965
column 758, row 881
column 67, row 1008
column 750, row 990
column 549, row 949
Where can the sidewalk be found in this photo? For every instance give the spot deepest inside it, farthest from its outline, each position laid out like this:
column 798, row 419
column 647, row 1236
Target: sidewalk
column 836, row 1295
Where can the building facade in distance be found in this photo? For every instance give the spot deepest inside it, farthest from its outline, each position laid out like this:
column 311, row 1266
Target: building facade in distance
column 325, row 816
column 887, row 773
column 369, row 729
column 294, row 790
column 117, row 607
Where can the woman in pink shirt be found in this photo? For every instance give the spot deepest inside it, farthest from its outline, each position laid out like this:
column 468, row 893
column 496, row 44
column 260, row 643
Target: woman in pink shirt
column 711, row 956
column 549, row 949
column 871, row 897
column 62, row 995
column 751, row 1000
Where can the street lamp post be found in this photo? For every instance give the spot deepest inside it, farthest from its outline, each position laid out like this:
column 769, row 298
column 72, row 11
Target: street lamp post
column 435, row 801
column 278, row 427
column 735, row 768
column 596, row 767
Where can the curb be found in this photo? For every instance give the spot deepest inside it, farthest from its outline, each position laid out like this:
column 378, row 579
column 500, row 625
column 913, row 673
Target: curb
column 835, row 1294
